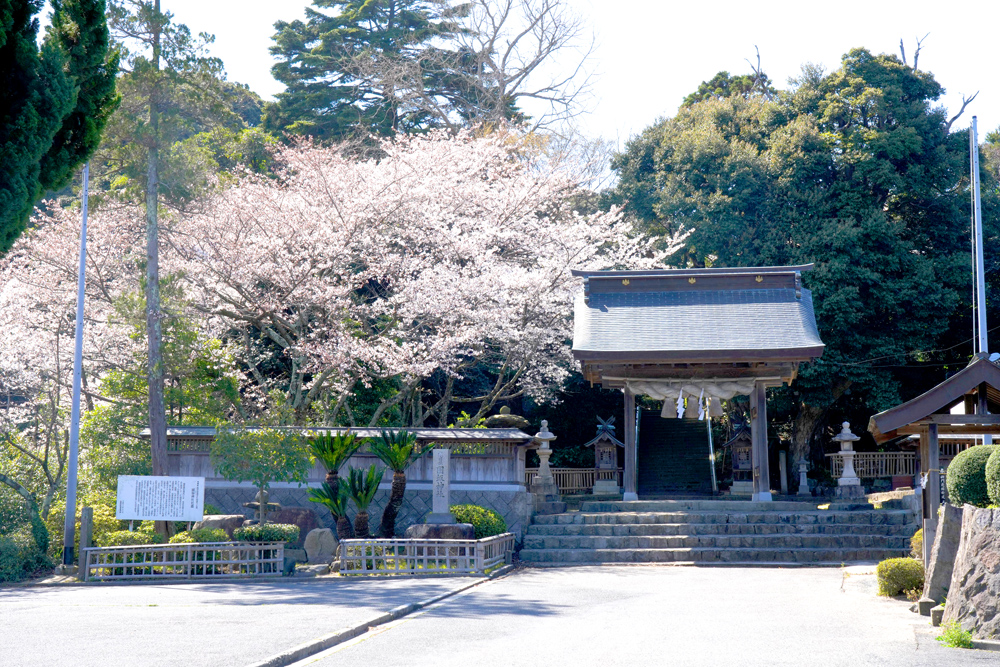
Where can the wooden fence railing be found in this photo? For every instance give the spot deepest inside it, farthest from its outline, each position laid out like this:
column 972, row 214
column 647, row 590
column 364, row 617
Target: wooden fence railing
column 206, row 560
column 877, row 464
column 576, row 480
column 412, row 556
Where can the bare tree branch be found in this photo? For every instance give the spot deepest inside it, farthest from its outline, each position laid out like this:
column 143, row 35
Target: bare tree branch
column 965, row 103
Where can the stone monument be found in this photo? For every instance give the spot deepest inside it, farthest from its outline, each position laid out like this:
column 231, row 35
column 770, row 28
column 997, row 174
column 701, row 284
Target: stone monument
column 803, row 479
column 848, row 486
column 440, row 523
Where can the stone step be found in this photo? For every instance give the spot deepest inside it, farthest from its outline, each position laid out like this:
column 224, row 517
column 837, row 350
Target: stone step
column 874, row 517
column 705, row 555
column 698, row 505
column 756, row 542
column 623, row 530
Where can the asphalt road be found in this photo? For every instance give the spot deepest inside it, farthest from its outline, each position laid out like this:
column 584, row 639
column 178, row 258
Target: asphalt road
column 189, row 625
column 681, row 616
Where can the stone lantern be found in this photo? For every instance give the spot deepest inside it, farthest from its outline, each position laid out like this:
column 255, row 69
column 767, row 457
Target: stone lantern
column 848, row 486
column 544, row 485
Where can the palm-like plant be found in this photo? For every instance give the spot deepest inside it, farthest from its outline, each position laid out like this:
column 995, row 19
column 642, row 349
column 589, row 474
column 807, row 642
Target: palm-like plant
column 333, row 450
column 335, row 499
column 397, row 450
column 362, row 487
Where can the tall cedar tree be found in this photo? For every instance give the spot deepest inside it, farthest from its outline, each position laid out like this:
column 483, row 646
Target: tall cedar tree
column 54, row 101
column 853, row 170
column 328, row 94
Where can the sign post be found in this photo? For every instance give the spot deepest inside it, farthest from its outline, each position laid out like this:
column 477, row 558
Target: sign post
column 160, row 498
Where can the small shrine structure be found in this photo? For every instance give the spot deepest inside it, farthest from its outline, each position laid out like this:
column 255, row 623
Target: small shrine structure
column 606, row 447
column 685, row 335
column 740, row 447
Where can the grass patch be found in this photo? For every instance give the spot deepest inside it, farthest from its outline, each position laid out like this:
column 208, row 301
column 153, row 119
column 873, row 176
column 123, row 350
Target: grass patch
column 954, row 636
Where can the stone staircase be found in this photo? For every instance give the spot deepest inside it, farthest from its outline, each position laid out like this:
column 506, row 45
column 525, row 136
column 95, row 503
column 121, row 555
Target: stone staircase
column 716, row 532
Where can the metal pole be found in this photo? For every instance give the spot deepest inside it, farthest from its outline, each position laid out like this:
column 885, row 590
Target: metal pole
column 972, row 242
column 711, row 452
column 69, row 528
column 978, row 223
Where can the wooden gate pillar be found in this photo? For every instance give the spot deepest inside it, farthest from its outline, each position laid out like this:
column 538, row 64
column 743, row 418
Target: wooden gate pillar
column 758, row 438
column 630, row 475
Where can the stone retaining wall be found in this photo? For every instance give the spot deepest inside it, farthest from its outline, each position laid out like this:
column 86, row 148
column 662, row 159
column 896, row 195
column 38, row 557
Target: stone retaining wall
column 513, row 506
column 974, row 594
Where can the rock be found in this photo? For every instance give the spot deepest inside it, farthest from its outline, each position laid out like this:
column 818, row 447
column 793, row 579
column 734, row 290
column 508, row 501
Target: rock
column 507, row 421
column 303, row 517
column 298, row 555
column 312, row 570
column 936, row 614
column 227, row 522
column 943, row 553
column 441, row 531
column 974, row 593
column 320, row 546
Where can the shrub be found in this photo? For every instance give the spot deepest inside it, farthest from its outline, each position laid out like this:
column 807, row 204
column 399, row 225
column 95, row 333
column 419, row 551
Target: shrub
column 128, row 538
column 954, row 636
column 917, row 544
column 209, row 510
column 486, row 522
column 199, row 535
column 993, row 476
column 966, row 476
column 269, row 532
column 104, row 522
column 20, row 554
column 898, row 575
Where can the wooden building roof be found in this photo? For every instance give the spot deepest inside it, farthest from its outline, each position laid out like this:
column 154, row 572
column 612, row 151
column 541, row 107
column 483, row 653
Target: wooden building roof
column 749, row 322
column 933, row 406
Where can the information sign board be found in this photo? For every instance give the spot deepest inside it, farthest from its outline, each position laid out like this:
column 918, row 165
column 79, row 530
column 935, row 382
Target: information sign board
column 143, row 498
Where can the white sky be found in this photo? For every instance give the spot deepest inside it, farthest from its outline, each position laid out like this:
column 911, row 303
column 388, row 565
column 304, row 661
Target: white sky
column 652, row 53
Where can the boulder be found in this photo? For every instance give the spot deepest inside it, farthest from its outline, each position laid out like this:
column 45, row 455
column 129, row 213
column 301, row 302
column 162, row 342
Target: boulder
column 942, row 561
column 320, row 545
column 441, row 531
column 303, row 517
column 227, row 522
column 974, row 593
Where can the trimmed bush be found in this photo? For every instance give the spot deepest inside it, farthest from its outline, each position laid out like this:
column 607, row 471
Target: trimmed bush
column 966, row 476
column 899, row 575
column 917, row 544
column 200, row 535
column 209, row 510
column 486, row 522
column 993, row 476
column 269, row 532
column 128, row 538
column 104, row 522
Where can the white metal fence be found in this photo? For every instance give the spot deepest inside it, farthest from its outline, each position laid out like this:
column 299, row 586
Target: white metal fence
column 207, row 560
column 877, row 464
column 433, row 557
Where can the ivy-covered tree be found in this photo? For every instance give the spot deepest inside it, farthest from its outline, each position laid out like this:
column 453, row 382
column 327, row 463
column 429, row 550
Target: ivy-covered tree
column 54, row 103
column 853, row 170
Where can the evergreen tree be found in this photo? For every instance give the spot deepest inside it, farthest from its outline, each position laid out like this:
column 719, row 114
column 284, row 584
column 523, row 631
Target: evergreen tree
column 54, row 101
column 341, row 67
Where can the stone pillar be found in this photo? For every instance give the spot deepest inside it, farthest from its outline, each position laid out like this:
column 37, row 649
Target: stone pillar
column 86, row 537
column 630, row 481
column 783, row 472
column 758, row 436
column 441, row 488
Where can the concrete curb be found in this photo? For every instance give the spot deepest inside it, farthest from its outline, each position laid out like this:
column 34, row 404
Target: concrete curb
column 314, row 646
column 986, row 644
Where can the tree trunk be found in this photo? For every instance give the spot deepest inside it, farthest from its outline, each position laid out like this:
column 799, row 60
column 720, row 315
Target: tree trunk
column 388, row 527
column 262, row 505
column 333, row 479
column 344, row 530
column 361, row 524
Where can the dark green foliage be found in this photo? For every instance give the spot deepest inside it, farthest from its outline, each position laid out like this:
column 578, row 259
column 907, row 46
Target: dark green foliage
column 126, row 538
column 725, row 85
column 486, row 522
column 322, row 63
column 335, row 499
column 54, row 101
column 209, row 510
column 20, row 554
column 200, row 535
column 397, row 450
column 899, row 575
column 993, row 476
column 966, row 476
column 269, row 532
column 333, row 450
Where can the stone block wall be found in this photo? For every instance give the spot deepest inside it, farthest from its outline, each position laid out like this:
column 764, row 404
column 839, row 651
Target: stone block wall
column 513, row 506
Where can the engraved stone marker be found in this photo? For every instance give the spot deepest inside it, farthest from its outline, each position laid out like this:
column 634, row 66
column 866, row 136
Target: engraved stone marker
column 441, row 488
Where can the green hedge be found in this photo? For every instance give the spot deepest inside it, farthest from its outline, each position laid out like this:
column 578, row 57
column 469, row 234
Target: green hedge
column 917, row 544
column 128, row 538
column 993, row 476
column 269, row 532
column 24, row 540
column 200, row 535
column 486, row 522
column 966, row 477
column 899, row 575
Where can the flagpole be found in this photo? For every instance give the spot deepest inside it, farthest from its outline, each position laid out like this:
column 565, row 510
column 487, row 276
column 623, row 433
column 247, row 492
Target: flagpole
column 977, row 221
column 69, row 527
